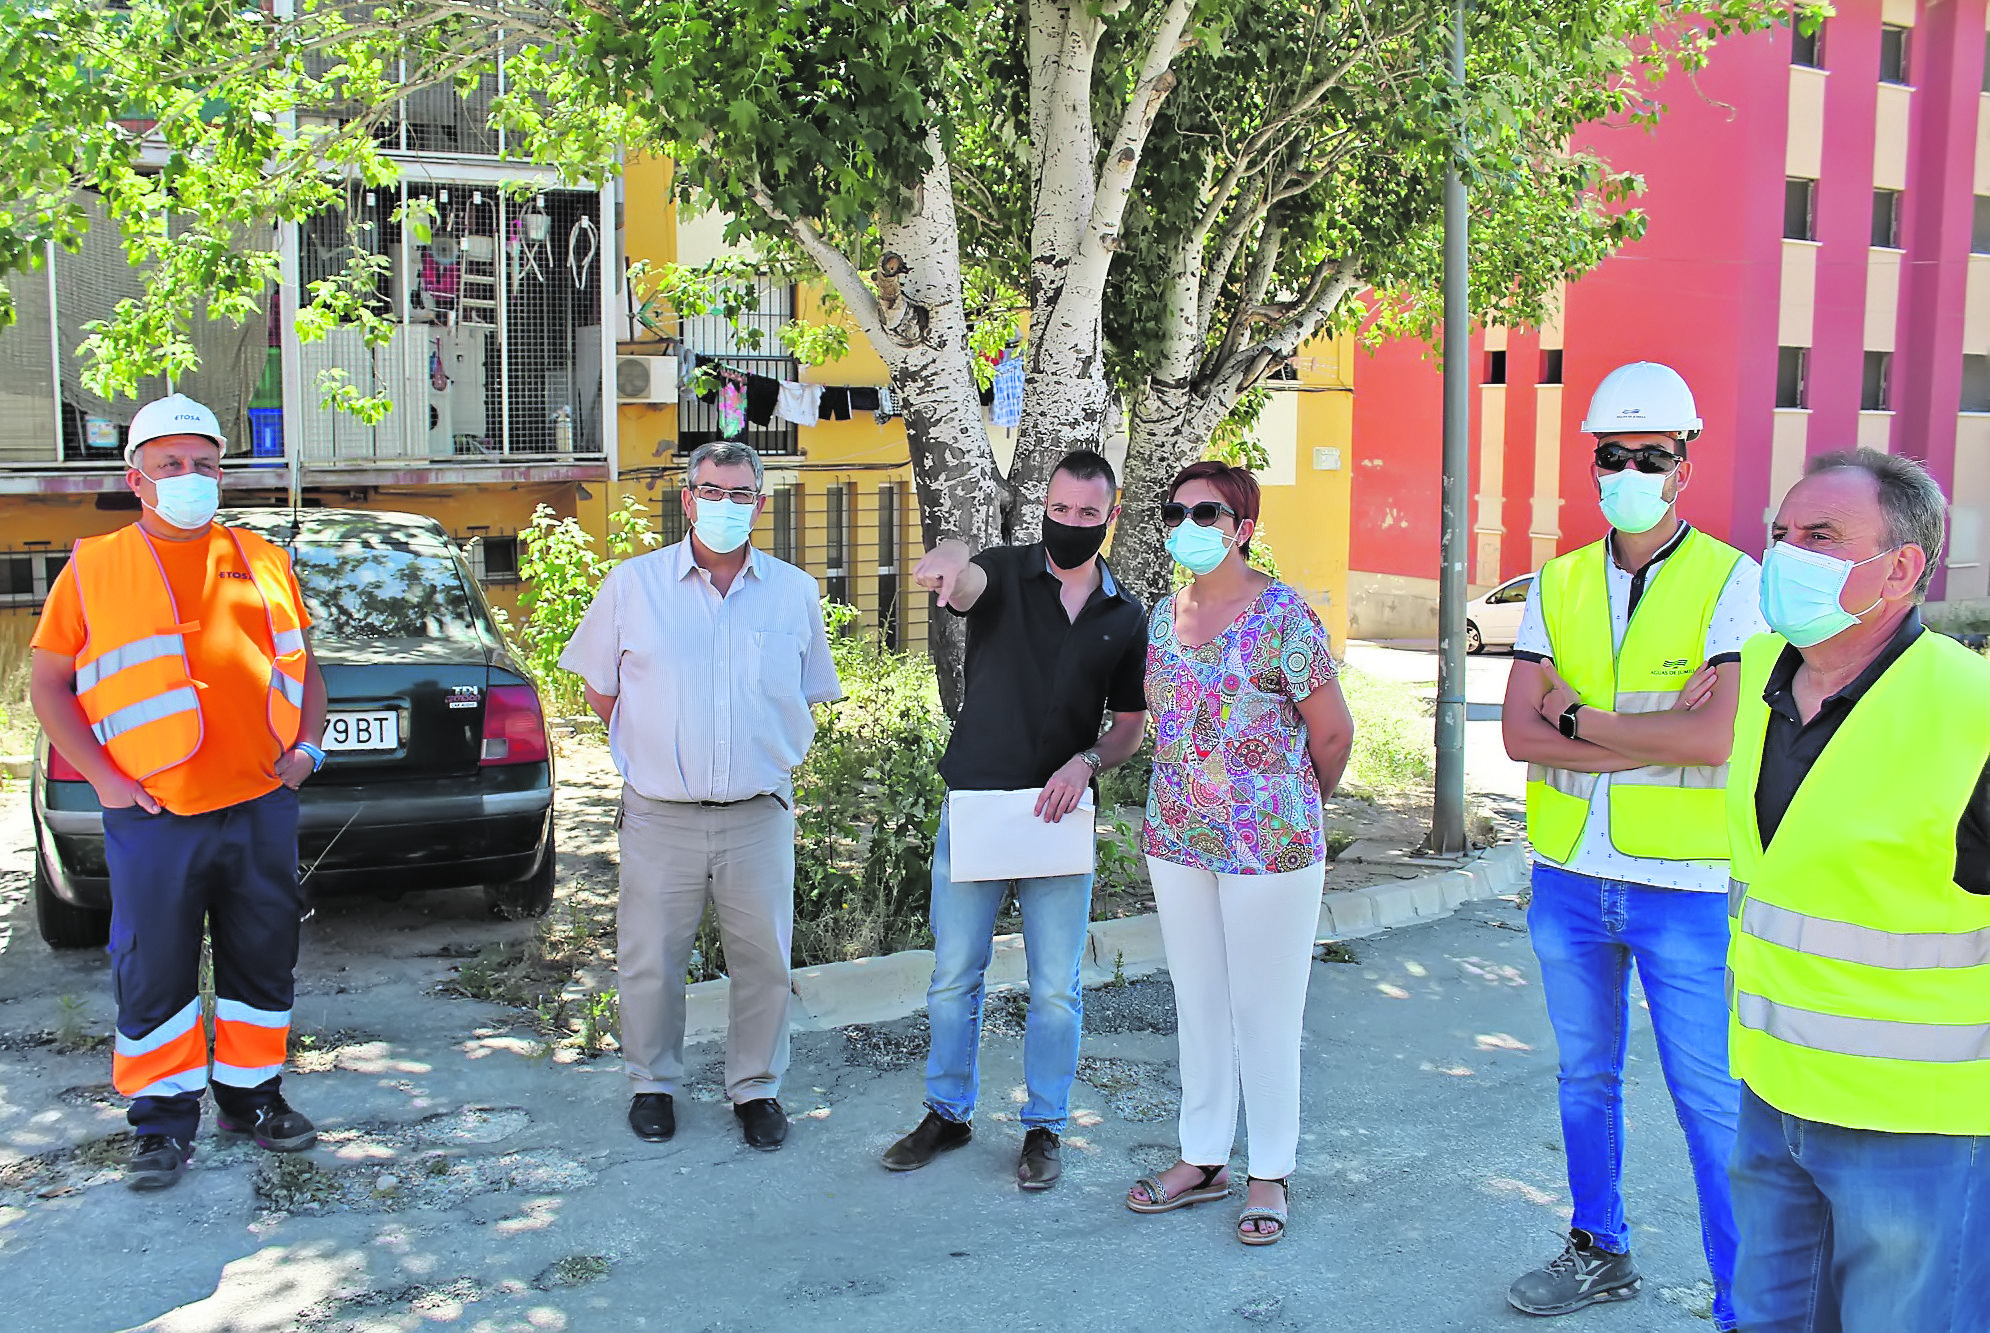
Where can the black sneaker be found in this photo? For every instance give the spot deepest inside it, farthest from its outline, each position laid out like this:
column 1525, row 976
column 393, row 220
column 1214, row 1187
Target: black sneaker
column 936, row 1134
column 1582, row 1274
column 157, row 1162
column 272, row 1124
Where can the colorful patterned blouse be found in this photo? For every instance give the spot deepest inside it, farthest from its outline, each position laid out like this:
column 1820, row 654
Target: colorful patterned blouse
column 1234, row 790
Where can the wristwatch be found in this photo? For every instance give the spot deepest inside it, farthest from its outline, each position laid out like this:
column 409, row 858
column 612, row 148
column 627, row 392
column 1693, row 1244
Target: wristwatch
column 317, row 755
column 1567, row 720
column 1092, row 761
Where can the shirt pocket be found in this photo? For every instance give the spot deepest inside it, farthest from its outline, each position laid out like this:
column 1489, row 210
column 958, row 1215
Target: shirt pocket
column 777, row 665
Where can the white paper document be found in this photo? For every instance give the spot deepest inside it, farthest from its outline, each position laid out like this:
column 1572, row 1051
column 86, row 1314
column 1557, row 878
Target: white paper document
column 998, row 835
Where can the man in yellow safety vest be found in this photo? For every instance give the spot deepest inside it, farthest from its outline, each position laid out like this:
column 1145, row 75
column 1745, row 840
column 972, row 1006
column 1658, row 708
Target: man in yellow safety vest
column 1626, row 811
column 1859, row 813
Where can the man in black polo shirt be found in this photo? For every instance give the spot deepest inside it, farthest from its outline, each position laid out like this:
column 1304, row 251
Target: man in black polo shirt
column 1053, row 644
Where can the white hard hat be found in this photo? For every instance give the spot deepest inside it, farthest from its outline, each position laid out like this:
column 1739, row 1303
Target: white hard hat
column 175, row 414
column 1643, row 397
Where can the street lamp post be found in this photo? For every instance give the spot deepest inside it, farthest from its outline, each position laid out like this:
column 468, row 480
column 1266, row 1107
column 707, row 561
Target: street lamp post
column 1447, row 826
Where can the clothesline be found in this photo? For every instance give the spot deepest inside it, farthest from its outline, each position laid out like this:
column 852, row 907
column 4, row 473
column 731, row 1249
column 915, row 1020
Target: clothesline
column 744, row 397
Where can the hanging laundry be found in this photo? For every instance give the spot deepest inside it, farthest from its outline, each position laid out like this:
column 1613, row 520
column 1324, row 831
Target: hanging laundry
column 863, row 399
column 732, row 408
column 762, row 395
column 1009, row 392
column 887, row 405
column 800, row 403
column 710, row 393
column 835, row 404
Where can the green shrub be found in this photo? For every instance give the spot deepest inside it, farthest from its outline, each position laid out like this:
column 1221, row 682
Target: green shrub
column 560, row 574
column 867, row 804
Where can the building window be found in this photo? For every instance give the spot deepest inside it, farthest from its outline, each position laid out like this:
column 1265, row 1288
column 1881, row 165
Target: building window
column 493, row 559
column 670, row 519
column 1979, row 227
column 1799, row 209
column 888, row 608
column 25, row 576
column 836, row 553
column 1892, row 54
column 1876, row 391
column 1551, row 365
column 1495, row 367
column 1976, row 384
column 1807, row 48
column 1792, row 377
column 787, row 524
column 1886, row 219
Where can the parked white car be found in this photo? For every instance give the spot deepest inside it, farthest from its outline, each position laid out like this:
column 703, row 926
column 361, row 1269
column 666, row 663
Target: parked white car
column 1493, row 621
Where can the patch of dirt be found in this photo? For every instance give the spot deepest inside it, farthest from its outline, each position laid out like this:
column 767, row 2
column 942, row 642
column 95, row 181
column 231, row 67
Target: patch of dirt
column 1136, row 1090
column 307, row 1184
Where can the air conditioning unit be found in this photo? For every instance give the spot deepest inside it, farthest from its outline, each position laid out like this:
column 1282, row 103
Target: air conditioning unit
column 646, row 379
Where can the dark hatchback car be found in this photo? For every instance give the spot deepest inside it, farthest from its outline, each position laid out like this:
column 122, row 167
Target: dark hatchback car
column 438, row 773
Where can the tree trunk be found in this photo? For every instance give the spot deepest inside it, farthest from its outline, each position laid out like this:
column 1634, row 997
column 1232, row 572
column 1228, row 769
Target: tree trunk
column 923, row 339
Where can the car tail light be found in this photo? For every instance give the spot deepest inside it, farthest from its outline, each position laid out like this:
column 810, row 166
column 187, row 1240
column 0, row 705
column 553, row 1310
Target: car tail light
column 514, row 728
column 61, row 770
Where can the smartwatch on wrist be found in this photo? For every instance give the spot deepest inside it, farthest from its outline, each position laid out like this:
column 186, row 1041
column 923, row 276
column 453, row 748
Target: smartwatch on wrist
column 1567, row 720
column 317, row 755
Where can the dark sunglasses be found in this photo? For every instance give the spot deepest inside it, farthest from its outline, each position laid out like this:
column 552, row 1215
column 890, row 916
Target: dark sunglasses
column 1204, row 514
column 1651, row 458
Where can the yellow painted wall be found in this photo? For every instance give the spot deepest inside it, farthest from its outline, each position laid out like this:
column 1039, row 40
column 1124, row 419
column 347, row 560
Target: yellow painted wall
column 851, row 459
column 1306, row 508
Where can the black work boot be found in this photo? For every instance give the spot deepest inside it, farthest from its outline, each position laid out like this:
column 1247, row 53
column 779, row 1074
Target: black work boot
column 936, row 1134
column 272, row 1124
column 157, row 1162
column 1582, row 1274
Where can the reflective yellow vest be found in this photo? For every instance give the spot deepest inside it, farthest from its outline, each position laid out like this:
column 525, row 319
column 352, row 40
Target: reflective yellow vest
column 1677, row 814
column 132, row 676
column 1859, row 974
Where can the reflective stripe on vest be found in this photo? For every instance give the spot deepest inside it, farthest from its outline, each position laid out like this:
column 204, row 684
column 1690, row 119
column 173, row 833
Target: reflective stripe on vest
column 133, row 716
column 1859, row 970
column 94, row 672
column 1658, row 811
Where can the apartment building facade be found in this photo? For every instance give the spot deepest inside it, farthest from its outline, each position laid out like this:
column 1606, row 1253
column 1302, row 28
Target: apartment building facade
column 1817, row 265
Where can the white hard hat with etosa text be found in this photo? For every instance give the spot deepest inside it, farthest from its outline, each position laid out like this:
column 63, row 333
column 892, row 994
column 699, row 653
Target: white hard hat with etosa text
column 175, row 414
column 1643, row 397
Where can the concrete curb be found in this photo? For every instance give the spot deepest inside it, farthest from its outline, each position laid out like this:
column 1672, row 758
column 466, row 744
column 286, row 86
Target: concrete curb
column 876, row 990
column 16, row 765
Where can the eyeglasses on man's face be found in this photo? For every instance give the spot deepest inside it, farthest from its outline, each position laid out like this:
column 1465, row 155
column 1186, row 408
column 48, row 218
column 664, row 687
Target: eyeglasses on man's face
column 739, row 495
column 1652, row 458
column 1204, row 514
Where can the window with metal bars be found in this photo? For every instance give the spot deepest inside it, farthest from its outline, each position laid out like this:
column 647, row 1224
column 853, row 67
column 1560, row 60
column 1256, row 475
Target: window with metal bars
column 836, row 547
column 889, row 617
column 785, row 510
column 748, row 343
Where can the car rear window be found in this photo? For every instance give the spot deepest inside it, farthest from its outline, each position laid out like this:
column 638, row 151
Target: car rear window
column 373, row 588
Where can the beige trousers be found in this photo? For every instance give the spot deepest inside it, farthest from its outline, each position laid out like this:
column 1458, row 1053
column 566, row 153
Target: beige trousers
column 675, row 856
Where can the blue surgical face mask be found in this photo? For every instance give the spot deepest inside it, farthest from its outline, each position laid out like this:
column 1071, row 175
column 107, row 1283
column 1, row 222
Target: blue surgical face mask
column 1634, row 501
column 187, row 501
column 1197, row 549
column 722, row 525
column 1800, row 592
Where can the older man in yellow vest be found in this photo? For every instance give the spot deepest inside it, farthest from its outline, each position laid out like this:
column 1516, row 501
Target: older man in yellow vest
column 171, row 668
column 1626, row 812
column 1859, row 813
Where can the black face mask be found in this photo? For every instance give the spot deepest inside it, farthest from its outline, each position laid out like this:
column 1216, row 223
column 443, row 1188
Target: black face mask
column 1070, row 547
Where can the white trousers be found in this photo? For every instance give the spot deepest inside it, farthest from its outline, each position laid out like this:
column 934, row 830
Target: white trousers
column 1240, row 951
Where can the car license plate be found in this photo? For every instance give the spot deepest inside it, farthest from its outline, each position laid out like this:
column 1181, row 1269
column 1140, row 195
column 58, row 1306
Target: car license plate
column 363, row 731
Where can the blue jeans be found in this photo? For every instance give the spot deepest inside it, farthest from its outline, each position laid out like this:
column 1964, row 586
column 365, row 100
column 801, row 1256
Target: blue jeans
column 1586, row 933
column 1853, row 1229
column 1057, row 913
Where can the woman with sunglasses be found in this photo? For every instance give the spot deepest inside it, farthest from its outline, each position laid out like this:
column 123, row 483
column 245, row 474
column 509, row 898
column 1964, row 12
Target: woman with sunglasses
column 1251, row 735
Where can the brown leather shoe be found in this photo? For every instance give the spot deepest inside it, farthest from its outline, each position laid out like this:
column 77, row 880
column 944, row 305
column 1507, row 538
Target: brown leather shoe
column 936, row 1134
column 1042, row 1161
